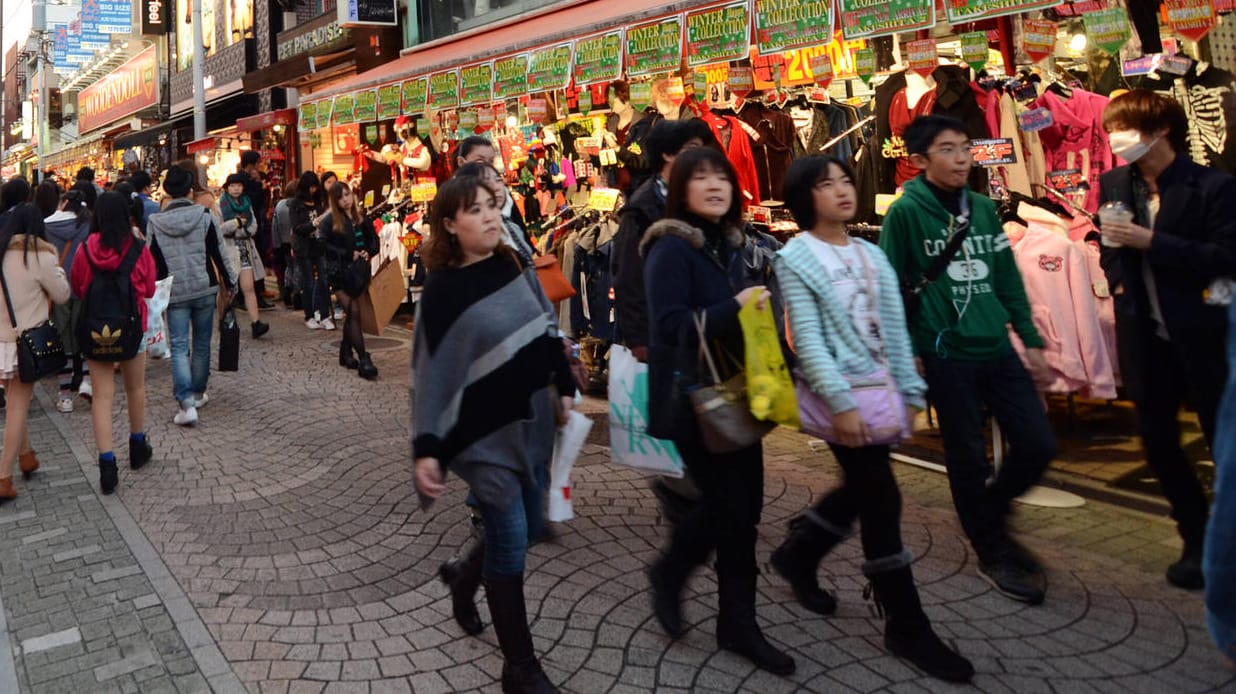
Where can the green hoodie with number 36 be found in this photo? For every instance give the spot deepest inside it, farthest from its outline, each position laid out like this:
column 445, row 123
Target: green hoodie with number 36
column 966, row 312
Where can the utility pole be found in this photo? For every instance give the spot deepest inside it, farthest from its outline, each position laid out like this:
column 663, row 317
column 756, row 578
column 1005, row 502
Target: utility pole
column 43, row 120
column 199, row 74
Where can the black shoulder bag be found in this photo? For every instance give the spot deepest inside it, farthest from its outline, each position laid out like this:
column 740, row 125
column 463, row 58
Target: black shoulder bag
column 912, row 292
column 40, row 350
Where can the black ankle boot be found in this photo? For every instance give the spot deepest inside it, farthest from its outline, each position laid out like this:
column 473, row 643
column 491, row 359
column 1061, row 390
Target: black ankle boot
column 798, row 562
column 521, row 673
column 108, row 476
column 668, row 575
column 365, row 367
column 737, row 629
column 907, row 631
column 463, row 577
column 346, row 360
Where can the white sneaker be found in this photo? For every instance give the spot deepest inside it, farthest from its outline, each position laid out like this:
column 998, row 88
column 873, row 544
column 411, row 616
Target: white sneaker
column 197, row 401
column 187, row 416
column 338, row 314
column 328, row 324
column 313, row 324
column 85, row 390
column 66, row 404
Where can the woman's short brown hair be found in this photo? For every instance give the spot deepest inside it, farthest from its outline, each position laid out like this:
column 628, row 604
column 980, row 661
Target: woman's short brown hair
column 1147, row 112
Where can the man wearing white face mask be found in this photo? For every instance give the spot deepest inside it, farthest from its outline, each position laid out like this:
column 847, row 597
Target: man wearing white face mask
column 1165, row 269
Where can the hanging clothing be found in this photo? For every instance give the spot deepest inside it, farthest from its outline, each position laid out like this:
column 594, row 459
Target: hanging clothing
column 1016, row 175
column 738, row 151
column 900, row 115
column 773, row 150
column 1076, row 139
column 1203, row 92
column 809, row 139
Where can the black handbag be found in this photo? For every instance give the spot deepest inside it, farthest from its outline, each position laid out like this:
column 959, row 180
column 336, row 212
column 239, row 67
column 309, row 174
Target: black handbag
column 229, row 342
column 40, row 350
column 354, row 278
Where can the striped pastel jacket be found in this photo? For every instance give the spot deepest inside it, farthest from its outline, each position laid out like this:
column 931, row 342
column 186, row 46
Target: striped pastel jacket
column 830, row 351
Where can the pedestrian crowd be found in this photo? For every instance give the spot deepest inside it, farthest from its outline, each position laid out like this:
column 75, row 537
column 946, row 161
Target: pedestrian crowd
column 926, row 316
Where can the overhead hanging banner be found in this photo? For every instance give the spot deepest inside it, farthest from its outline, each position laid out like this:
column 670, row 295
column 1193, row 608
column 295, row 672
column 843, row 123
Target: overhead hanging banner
column 1039, row 38
column 864, row 64
column 115, row 16
column 1108, row 29
column 1192, row 19
column 782, row 25
column 344, row 111
column 444, row 90
column 308, row 117
column 325, row 108
column 970, row 10
column 974, row 49
column 598, row 59
column 511, row 76
column 718, row 34
column 390, row 103
column 415, row 95
column 549, row 68
column 476, row 84
column 367, row 106
column 863, row 19
column 654, row 47
column 921, row 56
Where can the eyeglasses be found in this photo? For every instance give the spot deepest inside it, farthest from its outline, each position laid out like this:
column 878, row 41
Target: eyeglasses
column 952, row 151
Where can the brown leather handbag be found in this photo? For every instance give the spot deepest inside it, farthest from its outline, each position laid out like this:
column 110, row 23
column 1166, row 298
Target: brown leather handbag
column 552, row 279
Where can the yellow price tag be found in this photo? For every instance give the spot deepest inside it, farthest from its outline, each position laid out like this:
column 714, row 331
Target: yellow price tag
column 423, row 192
column 603, row 199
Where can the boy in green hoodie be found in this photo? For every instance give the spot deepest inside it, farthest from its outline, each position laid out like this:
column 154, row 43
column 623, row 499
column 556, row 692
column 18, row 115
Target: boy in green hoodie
column 960, row 336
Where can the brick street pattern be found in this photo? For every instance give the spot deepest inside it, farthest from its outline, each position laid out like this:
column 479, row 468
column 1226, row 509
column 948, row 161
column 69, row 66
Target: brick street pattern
column 288, row 517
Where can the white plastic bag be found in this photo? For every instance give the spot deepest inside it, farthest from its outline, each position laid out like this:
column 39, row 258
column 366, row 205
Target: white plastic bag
column 155, row 337
column 567, row 445
column 629, row 442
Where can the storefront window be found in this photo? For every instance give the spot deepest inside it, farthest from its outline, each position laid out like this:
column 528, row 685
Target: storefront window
column 439, row 18
column 184, row 30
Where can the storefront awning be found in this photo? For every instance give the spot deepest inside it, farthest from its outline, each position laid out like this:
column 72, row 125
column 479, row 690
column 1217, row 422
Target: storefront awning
column 558, row 22
column 147, row 137
column 265, row 121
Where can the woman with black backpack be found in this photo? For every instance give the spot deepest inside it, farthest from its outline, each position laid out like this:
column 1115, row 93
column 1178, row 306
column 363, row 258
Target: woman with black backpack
column 113, row 269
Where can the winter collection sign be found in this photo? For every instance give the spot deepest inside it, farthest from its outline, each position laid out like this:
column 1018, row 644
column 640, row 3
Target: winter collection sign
column 325, row 108
column 389, row 104
column 444, row 90
column 718, row 34
column 783, row 25
column 1192, row 19
column 654, row 46
column 511, row 76
column 367, row 106
column 864, row 19
column 415, row 95
column 598, row 59
column 1108, row 29
column 970, row 10
column 344, row 111
column 549, row 68
column 308, row 117
column 1039, row 38
column 476, row 84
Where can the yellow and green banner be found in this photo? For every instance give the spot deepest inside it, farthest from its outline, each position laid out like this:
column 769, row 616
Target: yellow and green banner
column 654, row 47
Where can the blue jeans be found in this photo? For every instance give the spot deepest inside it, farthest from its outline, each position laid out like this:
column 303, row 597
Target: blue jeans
column 1219, row 556
column 506, row 532
column 190, row 371
column 315, row 296
column 534, row 503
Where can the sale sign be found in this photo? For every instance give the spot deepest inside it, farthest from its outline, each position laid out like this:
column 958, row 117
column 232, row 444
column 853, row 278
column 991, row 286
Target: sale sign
column 511, row 76
column 921, row 56
column 1039, row 38
column 782, row 25
column 476, row 84
column 598, row 58
column 822, row 70
column 415, row 95
column 865, row 64
column 993, row 152
column 974, row 49
column 444, row 90
column 1192, row 19
column 869, row 18
column 1108, row 29
column 718, row 35
column 740, row 81
column 654, row 47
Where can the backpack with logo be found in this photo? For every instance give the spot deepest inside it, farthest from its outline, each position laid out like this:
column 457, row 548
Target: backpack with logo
column 111, row 327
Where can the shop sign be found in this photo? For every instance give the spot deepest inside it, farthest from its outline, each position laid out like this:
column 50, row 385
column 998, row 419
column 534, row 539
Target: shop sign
column 366, row 106
column 415, row 94
column 718, row 34
column 585, row 101
column 1108, row 29
column 603, row 199
column 598, row 58
column 1039, row 38
column 485, row 117
column 865, row 65
column 325, row 108
column 537, row 110
column 655, row 47
column 740, row 80
column 344, row 112
column 444, row 90
column 1192, row 19
column 308, row 117
column 549, row 68
column 782, row 25
column 641, row 94
column 960, row 11
column 155, row 17
column 822, row 70
column 367, row 13
column 115, row 16
column 994, row 152
column 423, row 192
column 476, row 84
column 266, row 121
column 868, row 18
column 795, row 66
column 1035, row 120
column 311, row 40
column 92, row 38
column 511, row 76
column 205, row 144
column 126, row 90
column 389, row 102
column 974, row 49
column 921, row 56
column 468, row 121
column 1066, row 180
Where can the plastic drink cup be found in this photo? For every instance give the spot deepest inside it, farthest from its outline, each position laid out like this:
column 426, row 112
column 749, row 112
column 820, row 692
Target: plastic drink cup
column 1113, row 211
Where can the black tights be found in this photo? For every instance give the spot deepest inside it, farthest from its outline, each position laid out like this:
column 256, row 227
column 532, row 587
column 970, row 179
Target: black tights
column 353, row 336
column 869, row 493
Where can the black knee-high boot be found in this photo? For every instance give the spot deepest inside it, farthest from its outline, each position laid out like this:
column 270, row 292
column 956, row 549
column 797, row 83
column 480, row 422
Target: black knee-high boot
column 463, row 577
column 521, row 673
column 693, row 540
column 737, row 629
column 798, row 560
column 907, row 631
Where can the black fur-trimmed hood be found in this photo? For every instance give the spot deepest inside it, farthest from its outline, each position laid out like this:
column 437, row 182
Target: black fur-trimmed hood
column 685, row 231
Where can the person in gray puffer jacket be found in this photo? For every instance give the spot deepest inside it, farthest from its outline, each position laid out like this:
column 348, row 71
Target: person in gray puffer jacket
column 186, row 245
column 67, row 229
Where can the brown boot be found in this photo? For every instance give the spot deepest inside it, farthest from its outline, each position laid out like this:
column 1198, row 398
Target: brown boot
column 6, row 489
column 29, row 462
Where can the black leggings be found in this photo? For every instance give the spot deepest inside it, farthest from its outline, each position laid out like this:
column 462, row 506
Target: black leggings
column 353, row 336
column 869, row 493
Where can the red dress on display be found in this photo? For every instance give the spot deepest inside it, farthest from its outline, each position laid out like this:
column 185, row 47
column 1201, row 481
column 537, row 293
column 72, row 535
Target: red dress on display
column 738, row 151
column 900, row 115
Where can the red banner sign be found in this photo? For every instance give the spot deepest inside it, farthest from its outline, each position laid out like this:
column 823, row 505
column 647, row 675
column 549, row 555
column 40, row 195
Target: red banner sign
column 1192, row 19
column 127, row 90
column 266, row 121
column 822, row 70
column 1039, row 38
column 921, row 56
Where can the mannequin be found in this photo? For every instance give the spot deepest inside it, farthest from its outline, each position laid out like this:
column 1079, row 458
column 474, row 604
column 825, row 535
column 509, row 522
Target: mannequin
column 917, row 86
column 417, row 156
column 618, row 94
column 662, row 102
column 617, row 128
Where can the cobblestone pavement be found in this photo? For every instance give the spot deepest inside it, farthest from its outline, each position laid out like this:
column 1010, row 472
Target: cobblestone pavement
column 276, row 547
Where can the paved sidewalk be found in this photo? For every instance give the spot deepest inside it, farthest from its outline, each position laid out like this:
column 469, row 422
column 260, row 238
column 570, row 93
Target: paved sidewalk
column 288, row 520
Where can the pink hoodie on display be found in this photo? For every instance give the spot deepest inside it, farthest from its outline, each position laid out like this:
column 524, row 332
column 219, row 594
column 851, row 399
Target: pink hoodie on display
column 1062, row 303
column 1076, row 139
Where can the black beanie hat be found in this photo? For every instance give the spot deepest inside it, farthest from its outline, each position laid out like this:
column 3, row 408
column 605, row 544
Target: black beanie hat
column 178, row 182
column 236, row 178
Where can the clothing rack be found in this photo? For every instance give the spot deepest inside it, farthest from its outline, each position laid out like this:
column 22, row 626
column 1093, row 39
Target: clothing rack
column 828, row 145
column 1065, row 199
